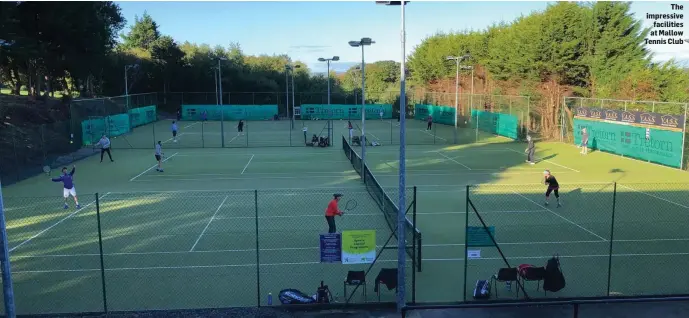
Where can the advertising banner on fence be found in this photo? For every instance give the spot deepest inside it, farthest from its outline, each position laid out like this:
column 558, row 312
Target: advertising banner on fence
column 441, row 114
column 496, row 123
column 658, row 145
column 229, row 112
column 358, row 247
column 331, row 248
column 351, row 112
column 660, row 121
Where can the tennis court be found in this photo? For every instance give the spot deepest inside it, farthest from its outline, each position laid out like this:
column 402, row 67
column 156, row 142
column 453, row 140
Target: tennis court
column 188, row 237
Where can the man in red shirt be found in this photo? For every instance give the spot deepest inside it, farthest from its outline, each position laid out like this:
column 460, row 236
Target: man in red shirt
column 331, row 211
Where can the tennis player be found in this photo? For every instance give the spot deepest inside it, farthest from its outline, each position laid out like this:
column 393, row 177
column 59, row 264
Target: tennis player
column 530, row 150
column 240, row 127
column 584, row 141
column 430, row 122
column 381, row 114
column 174, row 131
column 553, row 186
column 159, row 156
column 331, row 211
column 104, row 144
column 67, row 180
column 351, row 130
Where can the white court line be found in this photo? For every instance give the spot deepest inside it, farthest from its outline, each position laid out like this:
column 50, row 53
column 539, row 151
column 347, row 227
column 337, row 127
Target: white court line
column 544, row 257
column 317, row 247
column 209, row 223
column 247, row 164
column 374, row 136
column 560, row 216
column 192, row 124
column 436, row 136
column 654, row 196
column 455, row 161
column 153, row 166
column 56, row 223
column 233, row 138
column 548, row 161
column 178, row 135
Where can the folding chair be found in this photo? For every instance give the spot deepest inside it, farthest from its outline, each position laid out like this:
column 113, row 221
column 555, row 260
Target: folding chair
column 536, row 274
column 355, row 278
column 505, row 275
column 387, row 276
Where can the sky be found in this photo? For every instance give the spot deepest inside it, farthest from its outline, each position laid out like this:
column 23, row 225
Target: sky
column 309, row 30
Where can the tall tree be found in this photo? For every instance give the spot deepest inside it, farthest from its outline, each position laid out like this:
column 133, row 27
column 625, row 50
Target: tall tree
column 143, row 34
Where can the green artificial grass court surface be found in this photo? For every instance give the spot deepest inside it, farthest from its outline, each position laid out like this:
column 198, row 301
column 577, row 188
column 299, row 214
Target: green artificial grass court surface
column 186, row 238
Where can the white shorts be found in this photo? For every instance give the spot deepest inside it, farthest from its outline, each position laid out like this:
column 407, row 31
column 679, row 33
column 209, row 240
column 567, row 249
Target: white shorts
column 351, row 133
column 67, row 192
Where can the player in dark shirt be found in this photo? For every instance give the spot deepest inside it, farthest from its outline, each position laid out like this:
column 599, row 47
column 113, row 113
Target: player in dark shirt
column 553, row 186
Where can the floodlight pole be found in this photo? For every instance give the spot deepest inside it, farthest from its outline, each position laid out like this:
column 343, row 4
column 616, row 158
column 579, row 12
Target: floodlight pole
column 361, row 43
column 215, row 77
column 456, row 97
column 222, row 119
column 7, row 288
column 293, row 96
column 330, row 110
column 330, row 124
column 287, row 69
column 401, row 218
column 363, row 108
column 126, row 86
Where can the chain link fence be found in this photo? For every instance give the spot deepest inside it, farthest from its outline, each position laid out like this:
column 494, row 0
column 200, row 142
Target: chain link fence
column 203, row 249
column 612, row 239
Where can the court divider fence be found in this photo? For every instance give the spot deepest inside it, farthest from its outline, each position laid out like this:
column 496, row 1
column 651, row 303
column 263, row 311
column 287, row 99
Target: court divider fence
column 207, row 249
column 211, row 249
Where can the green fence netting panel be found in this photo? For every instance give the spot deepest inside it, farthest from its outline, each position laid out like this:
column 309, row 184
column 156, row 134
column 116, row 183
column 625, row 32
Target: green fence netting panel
column 661, row 146
column 229, row 112
column 93, row 128
column 350, row 112
column 441, row 114
column 143, row 115
column 496, row 123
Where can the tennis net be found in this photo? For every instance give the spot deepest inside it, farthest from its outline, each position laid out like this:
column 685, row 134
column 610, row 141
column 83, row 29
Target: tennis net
column 386, row 205
column 352, row 156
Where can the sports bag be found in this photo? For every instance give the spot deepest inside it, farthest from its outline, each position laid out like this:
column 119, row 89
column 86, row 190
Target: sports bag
column 482, row 289
column 554, row 280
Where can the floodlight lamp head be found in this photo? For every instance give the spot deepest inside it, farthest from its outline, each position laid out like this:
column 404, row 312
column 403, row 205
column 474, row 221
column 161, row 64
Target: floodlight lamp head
column 354, row 43
column 366, row 41
column 450, row 58
column 336, row 58
column 320, row 59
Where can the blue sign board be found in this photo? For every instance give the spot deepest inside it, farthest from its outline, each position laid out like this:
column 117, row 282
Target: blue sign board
column 331, row 248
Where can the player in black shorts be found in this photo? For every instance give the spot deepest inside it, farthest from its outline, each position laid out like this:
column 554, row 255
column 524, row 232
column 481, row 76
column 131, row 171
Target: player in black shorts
column 553, row 186
column 240, row 127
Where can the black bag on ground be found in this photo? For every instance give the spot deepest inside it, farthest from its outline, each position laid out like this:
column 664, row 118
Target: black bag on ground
column 482, row 289
column 554, row 280
column 294, row 297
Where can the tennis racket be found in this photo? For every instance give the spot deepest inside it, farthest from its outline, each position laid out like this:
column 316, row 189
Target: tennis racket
column 350, row 205
column 46, row 169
